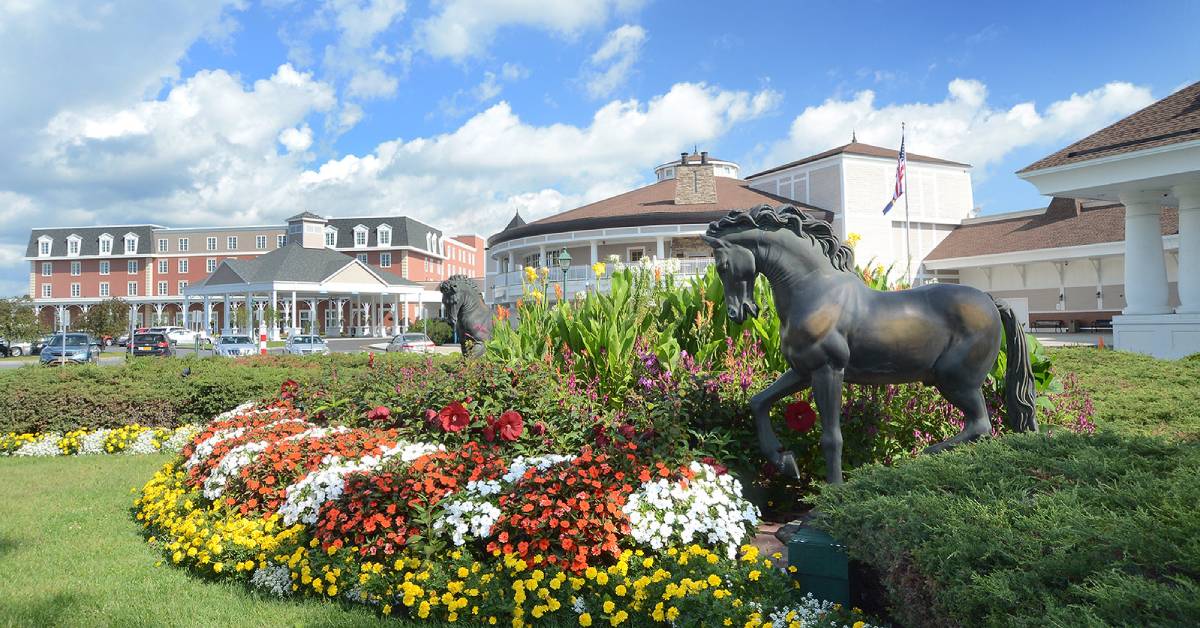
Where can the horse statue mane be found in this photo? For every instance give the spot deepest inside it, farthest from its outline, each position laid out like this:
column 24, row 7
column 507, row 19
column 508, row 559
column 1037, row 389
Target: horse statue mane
column 793, row 219
column 471, row 317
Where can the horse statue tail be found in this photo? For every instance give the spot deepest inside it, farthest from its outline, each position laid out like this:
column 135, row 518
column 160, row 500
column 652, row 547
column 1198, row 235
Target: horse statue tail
column 1019, row 396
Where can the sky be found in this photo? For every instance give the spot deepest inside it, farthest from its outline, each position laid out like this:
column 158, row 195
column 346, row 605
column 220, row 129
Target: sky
column 460, row 112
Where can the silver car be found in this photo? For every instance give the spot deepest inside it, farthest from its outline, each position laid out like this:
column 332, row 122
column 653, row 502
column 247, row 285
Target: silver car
column 234, row 346
column 74, row 349
column 411, row 343
column 306, row 345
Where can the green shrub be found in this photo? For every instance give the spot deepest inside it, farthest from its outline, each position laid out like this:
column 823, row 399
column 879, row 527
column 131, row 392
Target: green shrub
column 1028, row 530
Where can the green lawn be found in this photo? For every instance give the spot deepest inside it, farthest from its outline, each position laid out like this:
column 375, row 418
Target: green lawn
column 70, row 554
column 1136, row 394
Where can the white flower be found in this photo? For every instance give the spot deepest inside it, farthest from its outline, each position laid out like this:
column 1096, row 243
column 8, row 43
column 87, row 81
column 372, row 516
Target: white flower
column 709, row 510
column 521, row 464
column 469, row 512
column 180, row 437
column 147, row 442
column 273, row 578
column 93, row 442
column 205, row 447
column 230, row 466
column 45, row 445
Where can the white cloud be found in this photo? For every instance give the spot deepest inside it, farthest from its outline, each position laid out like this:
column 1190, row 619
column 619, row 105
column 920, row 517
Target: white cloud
column 296, row 139
column 356, row 59
column 465, row 28
column 611, row 64
column 465, row 101
column 961, row 127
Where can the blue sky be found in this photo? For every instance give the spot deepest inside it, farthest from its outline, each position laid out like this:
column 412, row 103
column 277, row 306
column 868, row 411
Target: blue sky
column 460, row 112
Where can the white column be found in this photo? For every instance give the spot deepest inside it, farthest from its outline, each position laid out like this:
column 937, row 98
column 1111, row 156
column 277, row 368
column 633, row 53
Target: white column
column 595, row 251
column 207, row 314
column 275, row 315
column 1098, row 266
column 1145, row 265
column 395, row 315
column 250, row 316
column 312, row 315
column 404, row 314
column 658, row 243
column 542, row 255
column 293, row 327
column 1189, row 247
column 225, row 322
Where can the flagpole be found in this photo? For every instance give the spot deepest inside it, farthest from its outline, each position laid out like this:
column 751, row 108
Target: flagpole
column 907, row 236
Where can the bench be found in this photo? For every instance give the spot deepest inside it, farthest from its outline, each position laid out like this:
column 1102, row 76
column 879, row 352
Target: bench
column 1045, row 323
column 1100, row 324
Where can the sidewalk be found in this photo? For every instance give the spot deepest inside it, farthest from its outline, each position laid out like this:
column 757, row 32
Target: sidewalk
column 1078, row 339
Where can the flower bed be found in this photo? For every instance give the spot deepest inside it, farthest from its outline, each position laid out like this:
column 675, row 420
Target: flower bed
column 468, row 531
column 130, row 439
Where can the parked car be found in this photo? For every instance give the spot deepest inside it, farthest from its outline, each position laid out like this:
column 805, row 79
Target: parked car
column 36, row 347
column 14, row 348
column 233, row 346
column 306, row 345
column 175, row 334
column 152, row 343
column 411, row 343
column 74, row 348
column 123, row 340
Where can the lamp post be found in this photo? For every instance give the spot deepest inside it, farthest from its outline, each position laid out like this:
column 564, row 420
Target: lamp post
column 564, row 264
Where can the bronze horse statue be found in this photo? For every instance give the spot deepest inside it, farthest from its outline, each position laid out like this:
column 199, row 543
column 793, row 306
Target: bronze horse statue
column 834, row 329
column 472, row 319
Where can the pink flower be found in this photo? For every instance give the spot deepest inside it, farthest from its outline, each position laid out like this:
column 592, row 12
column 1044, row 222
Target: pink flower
column 454, row 417
column 538, row 428
column 800, row 416
column 489, row 431
column 510, row 425
column 380, row 413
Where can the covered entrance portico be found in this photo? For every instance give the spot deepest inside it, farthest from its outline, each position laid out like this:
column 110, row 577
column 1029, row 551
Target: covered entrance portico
column 1147, row 161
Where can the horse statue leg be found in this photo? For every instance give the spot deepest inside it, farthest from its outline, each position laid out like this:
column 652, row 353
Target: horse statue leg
column 827, row 392
column 760, row 408
column 969, row 399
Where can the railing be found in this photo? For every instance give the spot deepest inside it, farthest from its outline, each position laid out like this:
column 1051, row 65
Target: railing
column 506, row 287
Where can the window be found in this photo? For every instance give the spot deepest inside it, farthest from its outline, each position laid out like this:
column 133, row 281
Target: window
column 75, row 291
column 73, row 245
column 44, row 246
column 635, row 253
column 76, row 267
column 162, row 266
column 106, row 244
column 260, row 242
column 47, row 269
column 183, row 245
column 182, row 285
column 46, row 291
column 131, row 289
column 162, row 288
column 331, row 237
column 105, row 267
column 385, row 235
column 360, row 236
column 104, row 292
column 280, row 241
column 362, row 257
column 210, row 265
column 131, row 267
column 211, row 243
column 183, row 265
column 162, row 245
column 231, row 243
column 385, row 260
column 131, row 243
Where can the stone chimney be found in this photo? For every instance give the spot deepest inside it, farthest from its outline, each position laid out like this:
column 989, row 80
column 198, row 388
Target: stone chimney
column 695, row 183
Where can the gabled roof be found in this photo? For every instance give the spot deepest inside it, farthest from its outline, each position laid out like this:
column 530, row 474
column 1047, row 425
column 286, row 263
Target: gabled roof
column 1063, row 223
column 517, row 221
column 294, row 263
column 653, row 204
column 405, row 230
column 1172, row 120
column 858, row 148
column 90, row 239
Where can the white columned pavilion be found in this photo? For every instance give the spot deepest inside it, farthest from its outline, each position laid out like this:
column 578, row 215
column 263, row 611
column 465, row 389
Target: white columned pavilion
column 1189, row 247
column 1145, row 261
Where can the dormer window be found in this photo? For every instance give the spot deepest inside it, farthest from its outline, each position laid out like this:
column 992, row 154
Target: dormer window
column 330, row 237
column 360, row 237
column 44, row 243
column 106, row 241
column 384, row 235
column 73, row 242
column 131, row 244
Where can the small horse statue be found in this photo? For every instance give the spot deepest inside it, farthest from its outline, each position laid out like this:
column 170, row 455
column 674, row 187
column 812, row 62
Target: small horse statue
column 466, row 310
column 834, row 329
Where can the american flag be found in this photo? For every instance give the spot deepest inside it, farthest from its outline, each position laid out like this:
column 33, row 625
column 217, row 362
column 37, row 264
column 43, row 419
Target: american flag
column 901, row 161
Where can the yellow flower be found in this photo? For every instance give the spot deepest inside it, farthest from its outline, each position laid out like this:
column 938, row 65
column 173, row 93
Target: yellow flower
column 859, row 624
column 618, row 618
column 852, row 239
column 585, row 620
column 599, row 268
column 544, row 271
column 754, row 575
column 530, row 274
column 714, row 580
column 609, row 606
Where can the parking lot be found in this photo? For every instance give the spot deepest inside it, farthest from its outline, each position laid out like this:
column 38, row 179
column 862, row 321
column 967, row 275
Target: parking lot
column 116, row 355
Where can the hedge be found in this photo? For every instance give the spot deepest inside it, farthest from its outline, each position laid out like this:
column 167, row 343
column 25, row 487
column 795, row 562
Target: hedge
column 1031, row 530
column 153, row 392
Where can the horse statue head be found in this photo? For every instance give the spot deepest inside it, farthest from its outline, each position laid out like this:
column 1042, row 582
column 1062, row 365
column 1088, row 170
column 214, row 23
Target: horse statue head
column 466, row 310
column 741, row 241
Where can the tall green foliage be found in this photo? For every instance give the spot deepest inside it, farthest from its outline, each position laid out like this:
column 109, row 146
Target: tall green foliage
column 17, row 319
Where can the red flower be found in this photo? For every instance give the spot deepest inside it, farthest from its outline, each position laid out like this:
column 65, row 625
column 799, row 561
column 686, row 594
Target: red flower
column 380, row 413
column 489, row 431
column 800, row 416
column 538, row 428
column 715, row 464
column 627, row 431
column 288, row 389
column 454, row 417
column 510, row 425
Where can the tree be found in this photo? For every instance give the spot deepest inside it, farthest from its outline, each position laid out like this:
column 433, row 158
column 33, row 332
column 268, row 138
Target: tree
column 18, row 321
column 107, row 318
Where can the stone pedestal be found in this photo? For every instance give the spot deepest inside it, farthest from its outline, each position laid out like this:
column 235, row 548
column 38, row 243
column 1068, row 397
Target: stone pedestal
column 1165, row 336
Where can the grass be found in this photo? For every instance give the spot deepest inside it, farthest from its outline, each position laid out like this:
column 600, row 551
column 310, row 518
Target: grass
column 70, row 554
column 1136, row 394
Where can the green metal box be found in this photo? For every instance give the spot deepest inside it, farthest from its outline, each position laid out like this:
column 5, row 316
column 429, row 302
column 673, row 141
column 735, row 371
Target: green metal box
column 822, row 566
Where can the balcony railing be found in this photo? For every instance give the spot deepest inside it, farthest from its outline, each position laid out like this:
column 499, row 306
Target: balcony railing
column 507, row 287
